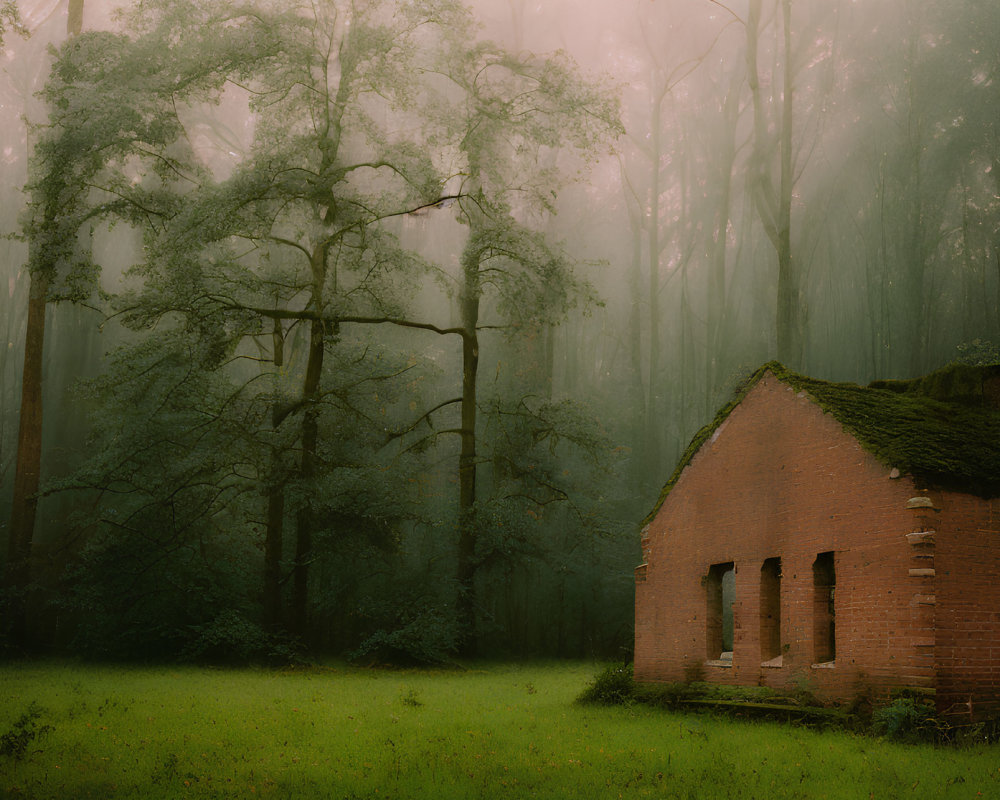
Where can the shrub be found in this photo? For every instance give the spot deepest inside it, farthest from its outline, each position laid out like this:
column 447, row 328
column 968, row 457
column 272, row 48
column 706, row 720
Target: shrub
column 230, row 639
column 905, row 719
column 612, row 687
column 421, row 634
column 141, row 598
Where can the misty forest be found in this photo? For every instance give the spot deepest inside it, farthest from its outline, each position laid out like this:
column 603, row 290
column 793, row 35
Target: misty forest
column 372, row 328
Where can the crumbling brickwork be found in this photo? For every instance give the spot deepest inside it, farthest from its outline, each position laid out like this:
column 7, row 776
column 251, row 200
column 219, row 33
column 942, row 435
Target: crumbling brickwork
column 880, row 583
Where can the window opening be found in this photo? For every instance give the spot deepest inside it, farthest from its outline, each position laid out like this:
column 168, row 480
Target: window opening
column 824, row 620
column 770, row 610
column 720, row 586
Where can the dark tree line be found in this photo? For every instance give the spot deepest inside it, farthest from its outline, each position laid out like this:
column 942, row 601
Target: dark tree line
column 391, row 332
column 277, row 387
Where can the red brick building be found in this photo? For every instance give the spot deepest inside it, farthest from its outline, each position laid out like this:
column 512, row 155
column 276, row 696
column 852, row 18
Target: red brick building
column 842, row 536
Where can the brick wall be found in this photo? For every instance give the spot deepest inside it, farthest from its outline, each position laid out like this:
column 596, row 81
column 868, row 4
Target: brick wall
column 967, row 607
column 781, row 478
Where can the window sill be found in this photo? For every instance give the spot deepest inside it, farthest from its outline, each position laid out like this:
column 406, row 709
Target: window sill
column 725, row 660
column 825, row 665
column 773, row 663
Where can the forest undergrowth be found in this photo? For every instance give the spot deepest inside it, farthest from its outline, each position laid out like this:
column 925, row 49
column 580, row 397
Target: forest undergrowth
column 483, row 731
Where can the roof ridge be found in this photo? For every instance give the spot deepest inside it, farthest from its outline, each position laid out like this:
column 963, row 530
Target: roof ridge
column 943, row 427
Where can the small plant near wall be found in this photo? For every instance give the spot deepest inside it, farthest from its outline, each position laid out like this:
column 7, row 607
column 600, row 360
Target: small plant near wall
column 612, row 687
column 906, row 719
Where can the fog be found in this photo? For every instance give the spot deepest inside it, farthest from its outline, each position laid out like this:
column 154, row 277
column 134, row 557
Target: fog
column 377, row 331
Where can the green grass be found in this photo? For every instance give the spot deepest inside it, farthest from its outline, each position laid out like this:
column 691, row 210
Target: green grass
column 490, row 731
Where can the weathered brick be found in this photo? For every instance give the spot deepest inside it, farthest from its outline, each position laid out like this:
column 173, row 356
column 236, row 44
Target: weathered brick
column 782, row 479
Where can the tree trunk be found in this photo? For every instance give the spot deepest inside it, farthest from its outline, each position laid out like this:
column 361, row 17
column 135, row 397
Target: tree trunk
column 548, row 358
column 74, row 17
column 774, row 205
column 637, row 399
column 272, row 547
column 275, row 531
column 716, row 308
column 467, row 466
column 27, row 469
column 654, row 387
column 305, row 519
column 914, row 266
column 790, row 330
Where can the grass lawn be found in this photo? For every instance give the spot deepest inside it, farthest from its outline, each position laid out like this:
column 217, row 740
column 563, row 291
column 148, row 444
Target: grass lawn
column 489, row 731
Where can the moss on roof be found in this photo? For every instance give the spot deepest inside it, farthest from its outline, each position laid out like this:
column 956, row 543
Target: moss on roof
column 943, row 429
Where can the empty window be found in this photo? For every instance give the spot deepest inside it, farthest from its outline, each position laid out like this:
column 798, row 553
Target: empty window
column 770, row 609
column 824, row 594
column 719, row 617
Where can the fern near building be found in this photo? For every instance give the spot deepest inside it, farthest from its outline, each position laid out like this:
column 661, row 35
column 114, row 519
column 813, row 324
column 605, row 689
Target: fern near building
column 833, row 536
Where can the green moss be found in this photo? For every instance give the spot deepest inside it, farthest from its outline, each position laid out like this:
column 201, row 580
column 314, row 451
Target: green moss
column 958, row 383
column 943, row 429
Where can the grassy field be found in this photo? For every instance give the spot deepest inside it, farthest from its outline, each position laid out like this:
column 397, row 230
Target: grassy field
column 490, row 731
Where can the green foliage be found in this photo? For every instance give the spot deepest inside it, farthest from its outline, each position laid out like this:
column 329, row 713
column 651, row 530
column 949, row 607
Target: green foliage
column 534, row 278
column 15, row 742
column 906, row 719
column 230, row 638
column 616, row 686
column 409, row 629
column 249, row 404
column 170, row 481
column 108, row 102
column 547, row 459
column 513, row 108
column 612, row 687
column 136, row 599
column 978, row 353
column 10, row 19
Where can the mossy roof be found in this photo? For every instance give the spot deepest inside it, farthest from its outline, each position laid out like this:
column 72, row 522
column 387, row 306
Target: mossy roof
column 943, row 429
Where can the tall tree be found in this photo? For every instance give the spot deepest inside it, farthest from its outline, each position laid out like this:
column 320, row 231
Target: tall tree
column 494, row 116
column 291, row 238
column 511, row 109
column 772, row 152
column 287, row 239
column 44, row 263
